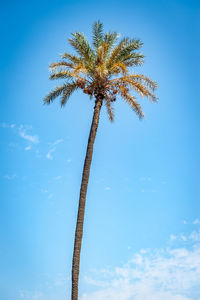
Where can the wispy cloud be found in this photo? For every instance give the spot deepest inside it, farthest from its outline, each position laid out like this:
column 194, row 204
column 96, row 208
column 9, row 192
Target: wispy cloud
column 53, row 148
column 49, row 153
column 27, row 148
column 22, row 130
column 167, row 273
column 58, row 142
column 196, row 222
column 107, row 188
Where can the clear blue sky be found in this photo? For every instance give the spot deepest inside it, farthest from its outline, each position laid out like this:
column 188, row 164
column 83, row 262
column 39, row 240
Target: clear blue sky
column 144, row 186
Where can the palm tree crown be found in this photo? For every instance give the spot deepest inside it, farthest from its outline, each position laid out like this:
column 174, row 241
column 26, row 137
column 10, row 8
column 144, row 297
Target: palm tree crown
column 102, row 70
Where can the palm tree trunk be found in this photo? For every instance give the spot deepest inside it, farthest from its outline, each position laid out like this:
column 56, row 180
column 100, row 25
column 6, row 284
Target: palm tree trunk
column 82, row 199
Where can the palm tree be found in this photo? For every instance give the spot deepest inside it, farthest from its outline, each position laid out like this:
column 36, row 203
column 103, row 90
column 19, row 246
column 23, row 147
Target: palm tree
column 102, row 72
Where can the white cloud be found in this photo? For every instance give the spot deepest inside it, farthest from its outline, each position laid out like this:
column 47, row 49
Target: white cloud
column 58, row 141
column 23, row 134
column 22, row 131
column 195, row 235
column 173, row 237
column 196, row 222
column 49, row 153
column 69, row 160
column 27, row 148
column 53, row 148
column 107, row 188
column 170, row 273
column 183, row 237
column 160, row 274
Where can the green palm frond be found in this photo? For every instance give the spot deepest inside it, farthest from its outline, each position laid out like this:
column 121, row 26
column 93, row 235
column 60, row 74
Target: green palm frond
column 133, row 59
column 62, row 75
column 69, row 89
column 81, row 45
column 127, row 49
column 115, row 52
column 97, row 35
column 54, row 94
column 110, row 39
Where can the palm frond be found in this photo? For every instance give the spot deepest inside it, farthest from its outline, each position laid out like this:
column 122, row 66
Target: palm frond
column 133, row 59
column 132, row 102
column 119, row 68
column 69, row 89
column 143, row 90
column 110, row 111
column 72, row 58
column 115, row 52
column 135, row 83
column 61, row 64
column 110, row 39
column 83, row 48
column 101, row 71
column 145, row 80
column 54, row 94
column 61, row 75
column 80, row 68
column 100, row 54
column 127, row 49
column 109, row 108
column 97, row 34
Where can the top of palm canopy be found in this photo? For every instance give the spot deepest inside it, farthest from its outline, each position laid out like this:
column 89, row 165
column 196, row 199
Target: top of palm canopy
column 102, row 70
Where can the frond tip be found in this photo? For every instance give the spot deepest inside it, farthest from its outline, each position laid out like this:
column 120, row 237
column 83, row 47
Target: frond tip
column 97, row 34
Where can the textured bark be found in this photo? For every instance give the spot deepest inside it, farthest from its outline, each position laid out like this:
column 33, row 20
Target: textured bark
column 82, row 199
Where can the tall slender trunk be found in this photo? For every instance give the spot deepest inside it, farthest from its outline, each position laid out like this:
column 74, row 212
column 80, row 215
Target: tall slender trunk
column 82, row 199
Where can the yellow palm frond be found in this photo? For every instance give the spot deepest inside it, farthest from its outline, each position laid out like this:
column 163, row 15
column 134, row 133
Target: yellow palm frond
column 101, row 71
column 131, row 101
column 61, row 64
column 80, row 68
column 118, row 68
column 145, row 80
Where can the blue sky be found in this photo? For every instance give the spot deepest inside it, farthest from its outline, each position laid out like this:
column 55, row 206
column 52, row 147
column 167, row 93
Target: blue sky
column 142, row 215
